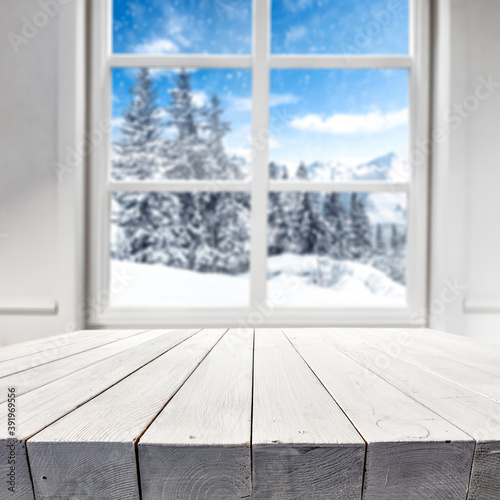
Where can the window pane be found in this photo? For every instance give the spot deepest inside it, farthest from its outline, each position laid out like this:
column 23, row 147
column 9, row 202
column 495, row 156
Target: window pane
column 340, row 27
column 339, row 125
column 180, row 26
column 180, row 249
column 337, row 249
column 182, row 124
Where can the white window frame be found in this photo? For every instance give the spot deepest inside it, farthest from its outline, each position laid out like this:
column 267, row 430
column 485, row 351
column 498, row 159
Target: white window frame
column 259, row 312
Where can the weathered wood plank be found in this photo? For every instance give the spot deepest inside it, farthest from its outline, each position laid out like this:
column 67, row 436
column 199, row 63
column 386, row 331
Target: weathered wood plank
column 199, row 446
column 39, row 376
column 44, row 344
column 469, row 375
column 69, row 456
column 480, row 346
column 476, row 415
column 17, row 365
column 412, row 451
column 41, row 407
column 426, row 341
column 298, row 427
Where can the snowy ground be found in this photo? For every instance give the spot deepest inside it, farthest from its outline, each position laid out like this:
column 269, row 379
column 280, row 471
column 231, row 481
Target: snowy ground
column 290, row 277
column 156, row 285
column 343, row 283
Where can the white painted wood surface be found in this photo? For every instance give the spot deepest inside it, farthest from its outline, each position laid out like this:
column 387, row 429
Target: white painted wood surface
column 103, row 432
column 483, row 357
column 199, row 446
column 61, row 351
column 365, row 414
column 298, row 427
column 471, row 373
column 39, row 408
column 39, row 376
column 412, row 451
column 476, row 415
column 40, row 345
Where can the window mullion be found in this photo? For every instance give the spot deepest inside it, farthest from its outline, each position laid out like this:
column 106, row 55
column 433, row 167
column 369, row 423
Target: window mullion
column 338, row 186
column 175, row 61
column 100, row 192
column 418, row 137
column 173, row 186
column 260, row 146
column 340, row 61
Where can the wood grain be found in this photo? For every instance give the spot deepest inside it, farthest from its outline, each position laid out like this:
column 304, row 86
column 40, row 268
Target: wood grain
column 476, row 415
column 427, row 343
column 199, row 446
column 39, row 408
column 334, row 413
column 39, row 345
column 412, row 451
column 102, row 433
column 26, row 362
column 435, row 360
column 39, row 376
column 298, row 427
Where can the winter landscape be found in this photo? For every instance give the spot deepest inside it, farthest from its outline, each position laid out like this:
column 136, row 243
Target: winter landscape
column 193, row 248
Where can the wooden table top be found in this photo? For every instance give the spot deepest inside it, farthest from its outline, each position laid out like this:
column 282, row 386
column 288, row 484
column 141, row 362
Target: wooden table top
column 338, row 413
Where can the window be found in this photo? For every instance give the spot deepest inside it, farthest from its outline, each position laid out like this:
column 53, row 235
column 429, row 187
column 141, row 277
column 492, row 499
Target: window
column 266, row 163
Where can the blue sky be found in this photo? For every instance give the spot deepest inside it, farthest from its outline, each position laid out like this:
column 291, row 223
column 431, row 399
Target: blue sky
column 351, row 115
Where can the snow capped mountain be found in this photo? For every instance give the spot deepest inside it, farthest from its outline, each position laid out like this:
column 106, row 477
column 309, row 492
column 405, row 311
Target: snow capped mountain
column 381, row 207
column 324, row 171
column 389, row 167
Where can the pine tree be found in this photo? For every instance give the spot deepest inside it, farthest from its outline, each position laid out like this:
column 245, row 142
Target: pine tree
column 302, row 172
column 185, row 155
column 337, row 226
column 147, row 225
column 150, row 227
column 136, row 153
column 295, row 211
column 307, row 227
column 273, row 171
column 277, row 227
column 220, row 234
column 203, row 237
column 319, row 240
column 232, row 235
column 395, row 240
column 380, row 247
column 219, row 165
column 360, row 246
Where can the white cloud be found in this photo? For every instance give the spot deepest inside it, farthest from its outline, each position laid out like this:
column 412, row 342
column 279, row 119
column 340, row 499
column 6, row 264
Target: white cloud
column 280, row 99
column 295, row 33
column 158, row 46
column 240, row 103
column 344, row 123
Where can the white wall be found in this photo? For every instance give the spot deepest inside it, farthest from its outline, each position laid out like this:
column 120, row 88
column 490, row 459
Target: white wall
column 482, row 264
column 41, row 259
column 33, row 270
column 465, row 233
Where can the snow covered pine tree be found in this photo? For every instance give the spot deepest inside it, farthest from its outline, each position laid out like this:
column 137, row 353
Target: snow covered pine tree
column 206, row 232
